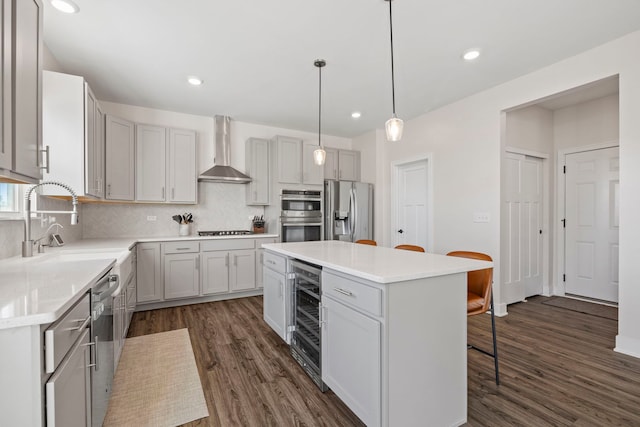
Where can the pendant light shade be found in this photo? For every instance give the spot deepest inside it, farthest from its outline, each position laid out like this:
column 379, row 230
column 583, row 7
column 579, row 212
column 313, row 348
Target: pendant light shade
column 394, row 125
column 319, row 155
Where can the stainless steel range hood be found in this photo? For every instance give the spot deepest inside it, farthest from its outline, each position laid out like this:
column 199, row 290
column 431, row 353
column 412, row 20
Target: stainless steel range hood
column 222, row 171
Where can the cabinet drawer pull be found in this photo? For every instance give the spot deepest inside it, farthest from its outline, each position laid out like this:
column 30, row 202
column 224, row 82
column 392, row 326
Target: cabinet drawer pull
column 271, row 262
column 173, row 193
column 343, row 292
column 182, row 249
column 85, row 323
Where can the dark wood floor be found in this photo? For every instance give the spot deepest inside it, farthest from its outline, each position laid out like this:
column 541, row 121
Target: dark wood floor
column 557, row 369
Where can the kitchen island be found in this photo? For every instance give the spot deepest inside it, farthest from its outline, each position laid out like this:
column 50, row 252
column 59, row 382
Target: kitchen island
column 394, row 325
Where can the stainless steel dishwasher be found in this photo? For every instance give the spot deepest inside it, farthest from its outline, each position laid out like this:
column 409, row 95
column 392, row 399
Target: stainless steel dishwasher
column 102, row 333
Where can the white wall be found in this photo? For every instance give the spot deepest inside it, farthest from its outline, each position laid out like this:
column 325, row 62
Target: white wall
column 465, row 141
column 587, row 123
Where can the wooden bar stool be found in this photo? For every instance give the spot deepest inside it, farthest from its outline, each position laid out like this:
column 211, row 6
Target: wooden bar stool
column 480, row 299
column 367, row 242
column 410, row 248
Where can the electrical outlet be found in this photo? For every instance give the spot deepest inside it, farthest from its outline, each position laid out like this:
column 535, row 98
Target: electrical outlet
column 151, row 218
column 481, row 217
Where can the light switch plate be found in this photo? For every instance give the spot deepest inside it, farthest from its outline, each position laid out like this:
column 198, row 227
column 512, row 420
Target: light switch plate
column 481, row 217
column 151, row 218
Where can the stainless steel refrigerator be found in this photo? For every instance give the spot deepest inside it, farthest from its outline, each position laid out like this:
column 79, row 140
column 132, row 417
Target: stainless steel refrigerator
column 348, row 210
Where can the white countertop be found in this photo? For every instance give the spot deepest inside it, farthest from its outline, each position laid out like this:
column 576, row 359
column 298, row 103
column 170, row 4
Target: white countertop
column 39, row 289
column 376, row 263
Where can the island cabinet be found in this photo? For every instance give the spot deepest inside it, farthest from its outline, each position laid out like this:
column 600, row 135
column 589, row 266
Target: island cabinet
column 343, row 165
column 21, row 91
column 276, row 289
column 393, row 328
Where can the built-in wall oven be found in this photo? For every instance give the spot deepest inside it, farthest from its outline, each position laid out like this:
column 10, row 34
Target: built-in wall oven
column 301, row 215
column 305, row 335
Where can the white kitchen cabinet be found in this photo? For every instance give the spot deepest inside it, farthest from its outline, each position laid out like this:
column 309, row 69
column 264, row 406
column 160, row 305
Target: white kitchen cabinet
column 257, row 164
column 165, row 165
column 342, row 165
column 182, row 173
column 351, row 352
column 181, row 275
column 311, row 173
column 274, row 301
column 242, row 270
column 151, row 152
column 118, row 325
column 120, row 159
column 74, row 133
column 149, row 279
column 215, row 272
column 260, row 259
column 21, row 95
column 289, row 159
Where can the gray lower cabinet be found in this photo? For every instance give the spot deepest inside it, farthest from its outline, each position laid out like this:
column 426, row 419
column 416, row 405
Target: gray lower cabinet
column 190, row 269
column 149, row 273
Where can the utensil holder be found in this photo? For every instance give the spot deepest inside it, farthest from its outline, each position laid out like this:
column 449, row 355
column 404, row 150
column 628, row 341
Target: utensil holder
column 183, row 230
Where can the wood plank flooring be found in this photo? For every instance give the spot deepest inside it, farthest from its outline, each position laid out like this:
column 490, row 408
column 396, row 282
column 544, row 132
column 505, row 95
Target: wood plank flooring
column 557, row 369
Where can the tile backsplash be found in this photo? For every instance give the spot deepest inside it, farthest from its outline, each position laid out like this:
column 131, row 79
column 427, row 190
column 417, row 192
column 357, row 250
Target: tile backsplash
column 220, row 207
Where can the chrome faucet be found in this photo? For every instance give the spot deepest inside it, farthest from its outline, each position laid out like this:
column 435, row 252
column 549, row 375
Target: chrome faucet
column 27, row 244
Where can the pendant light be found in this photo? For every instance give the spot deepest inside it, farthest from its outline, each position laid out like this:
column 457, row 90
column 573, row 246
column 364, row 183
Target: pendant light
column 394, row 125
column 319, row 155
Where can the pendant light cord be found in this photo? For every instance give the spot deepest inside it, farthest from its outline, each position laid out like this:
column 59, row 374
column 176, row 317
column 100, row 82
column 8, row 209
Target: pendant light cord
column 393, row 84
column 319, row 103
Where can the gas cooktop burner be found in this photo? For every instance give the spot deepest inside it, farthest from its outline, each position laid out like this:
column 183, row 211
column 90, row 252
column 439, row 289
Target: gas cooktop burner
column 224, row 233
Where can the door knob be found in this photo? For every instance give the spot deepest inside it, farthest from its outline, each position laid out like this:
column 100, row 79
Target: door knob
column 401, row 231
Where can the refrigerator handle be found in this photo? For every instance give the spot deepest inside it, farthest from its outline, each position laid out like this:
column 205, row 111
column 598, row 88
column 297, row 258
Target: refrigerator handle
column 353, row 213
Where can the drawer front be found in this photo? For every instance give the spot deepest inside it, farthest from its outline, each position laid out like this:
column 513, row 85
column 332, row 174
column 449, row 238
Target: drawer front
column 275, row 262
column 228, row 244
column 61, row 335
column 353, row 293
column 181, row 247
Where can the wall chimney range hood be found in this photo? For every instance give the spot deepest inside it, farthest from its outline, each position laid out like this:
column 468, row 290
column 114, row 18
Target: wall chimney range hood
column 222, row 171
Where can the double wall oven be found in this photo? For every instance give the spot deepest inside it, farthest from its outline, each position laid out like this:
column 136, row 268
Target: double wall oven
column 301, row 215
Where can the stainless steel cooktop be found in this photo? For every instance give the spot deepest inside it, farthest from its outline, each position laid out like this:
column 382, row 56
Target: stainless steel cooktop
column 224, row 233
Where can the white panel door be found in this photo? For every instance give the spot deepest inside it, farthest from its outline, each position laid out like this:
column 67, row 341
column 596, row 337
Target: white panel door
column 523, row 197
column 215, row 272
column 274, row 312
column 242, row 273
column 411, row 205
column 351, row 364
column 592, row 223
column 151, row 151
column 182, row 166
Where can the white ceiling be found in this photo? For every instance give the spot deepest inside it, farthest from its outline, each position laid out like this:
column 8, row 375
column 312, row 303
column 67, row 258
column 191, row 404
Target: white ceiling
column 256, row 57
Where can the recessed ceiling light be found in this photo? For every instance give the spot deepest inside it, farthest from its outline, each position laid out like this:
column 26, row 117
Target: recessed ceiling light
column 356, row 114
column 195, row 81
column 471, row 54
column 66, row 6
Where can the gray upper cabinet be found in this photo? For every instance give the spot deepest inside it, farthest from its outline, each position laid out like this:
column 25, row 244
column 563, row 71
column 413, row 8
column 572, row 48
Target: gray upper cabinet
column 120, row 155
column 73, row 130
column 294, row 161
column 21, row 82
column 257, row 165
column 165, row 165
column 342, row 165
column 151, row 152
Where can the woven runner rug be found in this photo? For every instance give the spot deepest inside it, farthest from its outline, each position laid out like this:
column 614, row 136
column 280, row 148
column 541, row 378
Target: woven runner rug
column 157, row 383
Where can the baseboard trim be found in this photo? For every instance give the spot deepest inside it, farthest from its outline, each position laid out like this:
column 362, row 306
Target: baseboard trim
column 627, row 345
column 196, row 300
